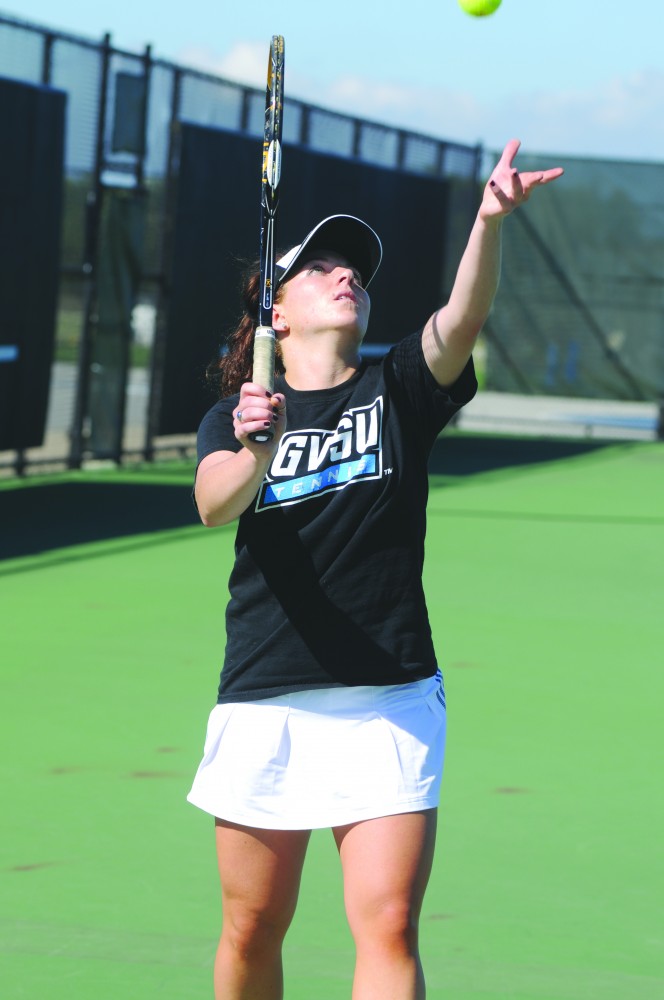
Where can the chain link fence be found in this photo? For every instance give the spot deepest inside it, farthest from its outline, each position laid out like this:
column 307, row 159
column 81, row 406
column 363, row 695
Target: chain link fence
column 121, row 109
column 581, row 306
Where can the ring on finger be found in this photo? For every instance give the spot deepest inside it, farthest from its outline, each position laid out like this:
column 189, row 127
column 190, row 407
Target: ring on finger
column 238, row 416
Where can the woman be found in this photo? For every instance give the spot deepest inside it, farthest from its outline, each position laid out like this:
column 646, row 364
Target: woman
column 331, row 708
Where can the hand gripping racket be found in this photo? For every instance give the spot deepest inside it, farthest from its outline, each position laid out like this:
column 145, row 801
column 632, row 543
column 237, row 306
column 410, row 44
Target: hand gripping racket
column 263, row 361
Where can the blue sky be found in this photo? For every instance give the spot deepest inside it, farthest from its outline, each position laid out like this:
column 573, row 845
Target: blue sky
column 574, row 77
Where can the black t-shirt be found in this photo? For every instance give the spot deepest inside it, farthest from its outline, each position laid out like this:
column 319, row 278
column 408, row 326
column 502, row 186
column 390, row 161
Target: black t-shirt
column 327, row 584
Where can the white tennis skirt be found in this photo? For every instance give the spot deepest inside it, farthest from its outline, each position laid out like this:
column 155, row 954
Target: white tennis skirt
column 324, row 758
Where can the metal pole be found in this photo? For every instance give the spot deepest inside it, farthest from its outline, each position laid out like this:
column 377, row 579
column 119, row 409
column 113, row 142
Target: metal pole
column 163, row 294
column 92, row 225
column 141, row 192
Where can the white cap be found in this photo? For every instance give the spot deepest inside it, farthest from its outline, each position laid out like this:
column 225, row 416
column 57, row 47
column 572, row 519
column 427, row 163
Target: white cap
column 345, row 235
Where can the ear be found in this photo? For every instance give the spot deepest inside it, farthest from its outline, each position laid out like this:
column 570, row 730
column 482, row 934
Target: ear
column 279, row 321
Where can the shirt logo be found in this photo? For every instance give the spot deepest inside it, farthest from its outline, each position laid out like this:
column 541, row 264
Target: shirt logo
column 311, row 462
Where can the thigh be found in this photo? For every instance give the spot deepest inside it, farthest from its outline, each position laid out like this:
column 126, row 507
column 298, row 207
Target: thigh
column 260, row 870
column 387, row 861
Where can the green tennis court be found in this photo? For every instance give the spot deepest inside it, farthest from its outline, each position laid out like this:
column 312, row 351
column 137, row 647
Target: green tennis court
column 545, row 576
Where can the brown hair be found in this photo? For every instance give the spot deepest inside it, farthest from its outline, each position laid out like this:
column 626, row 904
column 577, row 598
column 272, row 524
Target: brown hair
column 228, row 372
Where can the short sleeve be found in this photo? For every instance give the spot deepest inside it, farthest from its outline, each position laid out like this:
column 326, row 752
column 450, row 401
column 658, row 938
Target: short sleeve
column 216, row 429
column 430, row 402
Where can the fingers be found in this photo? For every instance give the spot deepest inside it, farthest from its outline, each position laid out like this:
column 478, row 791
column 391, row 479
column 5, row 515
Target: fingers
column 517, row 184
column 550, row 175
column 509, row 153
column 531, row 178
column 256, row 411
column 508, row 188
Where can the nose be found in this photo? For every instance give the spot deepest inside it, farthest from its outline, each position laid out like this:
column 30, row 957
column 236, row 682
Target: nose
column 349, row 274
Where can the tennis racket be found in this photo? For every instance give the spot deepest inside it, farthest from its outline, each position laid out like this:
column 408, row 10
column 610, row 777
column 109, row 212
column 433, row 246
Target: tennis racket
column 264, row 339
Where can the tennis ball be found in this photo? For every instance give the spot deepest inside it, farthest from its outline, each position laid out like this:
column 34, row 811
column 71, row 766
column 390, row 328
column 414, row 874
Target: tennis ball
column 479, row 8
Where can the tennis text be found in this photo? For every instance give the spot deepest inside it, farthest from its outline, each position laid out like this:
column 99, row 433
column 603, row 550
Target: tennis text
column 311, row 462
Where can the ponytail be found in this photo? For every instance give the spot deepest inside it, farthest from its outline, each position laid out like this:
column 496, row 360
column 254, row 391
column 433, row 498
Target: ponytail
column 235, row 365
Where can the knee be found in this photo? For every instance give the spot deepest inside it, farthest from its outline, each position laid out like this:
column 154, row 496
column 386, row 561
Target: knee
column 251, row 933
column 392, row 925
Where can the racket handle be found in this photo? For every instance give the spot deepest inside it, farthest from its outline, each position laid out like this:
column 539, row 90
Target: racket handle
column 263, row 372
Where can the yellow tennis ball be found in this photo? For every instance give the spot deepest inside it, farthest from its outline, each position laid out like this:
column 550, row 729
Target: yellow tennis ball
column 479, row 8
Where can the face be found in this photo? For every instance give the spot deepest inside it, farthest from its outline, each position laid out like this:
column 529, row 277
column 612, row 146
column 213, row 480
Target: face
column 324, row 293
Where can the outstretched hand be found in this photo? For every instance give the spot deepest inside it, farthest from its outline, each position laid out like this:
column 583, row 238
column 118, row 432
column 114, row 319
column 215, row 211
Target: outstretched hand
column 507, row 188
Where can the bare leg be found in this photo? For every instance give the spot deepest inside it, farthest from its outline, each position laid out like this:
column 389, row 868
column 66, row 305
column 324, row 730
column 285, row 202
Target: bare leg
column 260, row 873
column 386, row 864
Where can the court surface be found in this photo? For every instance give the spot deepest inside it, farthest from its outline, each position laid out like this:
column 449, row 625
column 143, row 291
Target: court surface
column 545, row 579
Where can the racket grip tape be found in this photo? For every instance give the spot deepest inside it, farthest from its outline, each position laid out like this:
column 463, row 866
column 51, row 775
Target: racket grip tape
column 263, row 371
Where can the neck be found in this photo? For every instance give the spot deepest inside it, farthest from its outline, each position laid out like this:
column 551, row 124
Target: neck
column 318, row 368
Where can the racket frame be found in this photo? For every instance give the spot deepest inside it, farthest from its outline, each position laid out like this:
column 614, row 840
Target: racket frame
column 264, row 336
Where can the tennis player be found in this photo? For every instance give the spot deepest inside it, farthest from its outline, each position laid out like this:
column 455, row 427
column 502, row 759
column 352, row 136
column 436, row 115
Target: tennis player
column 331, row 706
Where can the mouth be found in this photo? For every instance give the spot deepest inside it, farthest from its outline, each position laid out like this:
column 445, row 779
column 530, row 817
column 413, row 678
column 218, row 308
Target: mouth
column 347, row 296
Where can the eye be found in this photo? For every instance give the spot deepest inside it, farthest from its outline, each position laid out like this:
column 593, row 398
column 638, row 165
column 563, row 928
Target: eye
column 316, row 267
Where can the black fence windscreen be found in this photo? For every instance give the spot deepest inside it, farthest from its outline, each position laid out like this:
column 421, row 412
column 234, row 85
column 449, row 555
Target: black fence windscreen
column 32, row 121
column 579, row 312
column 216, row 230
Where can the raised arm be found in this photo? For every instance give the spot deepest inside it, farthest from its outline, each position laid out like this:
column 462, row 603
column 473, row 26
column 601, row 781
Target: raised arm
column 450, row 334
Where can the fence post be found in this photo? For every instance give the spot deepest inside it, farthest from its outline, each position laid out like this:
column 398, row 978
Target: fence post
column 159, row 340
column 91, row 251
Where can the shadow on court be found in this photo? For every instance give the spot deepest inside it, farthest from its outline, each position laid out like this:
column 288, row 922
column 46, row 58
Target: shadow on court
column 42, row 518
column 468, row 455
